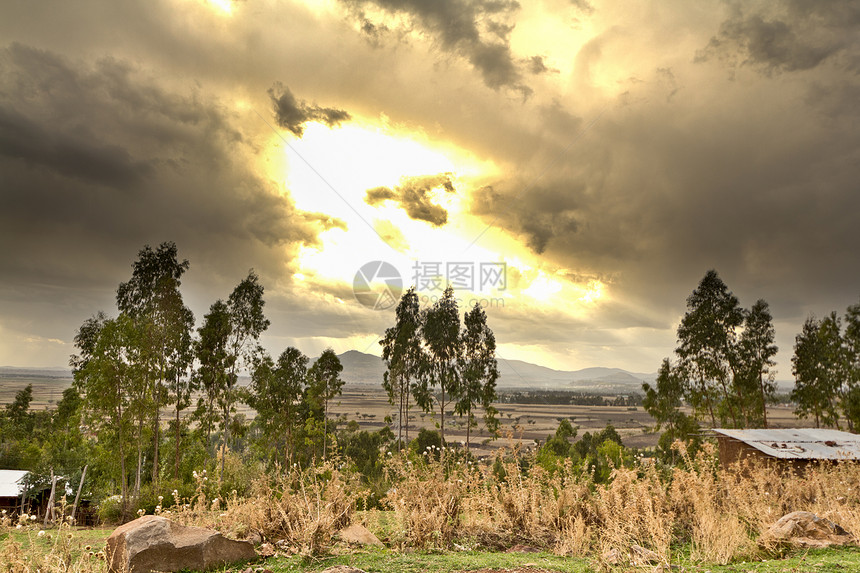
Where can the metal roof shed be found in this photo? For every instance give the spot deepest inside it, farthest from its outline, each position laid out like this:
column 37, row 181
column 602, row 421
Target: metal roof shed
column 796, row 446
column 11, row 488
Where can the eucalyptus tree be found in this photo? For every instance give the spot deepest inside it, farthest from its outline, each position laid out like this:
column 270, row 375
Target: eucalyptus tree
column 707, row 339
column 276, row 390
column 105, row 375
column 324, row 384
column 756, row 349
column 441, row 334
column 851, row 341
column 151, row 298
column 181, row 382
column 479, row 371
column 816, row 369
column 247, row 323
column 403, row 355
column 213, row 363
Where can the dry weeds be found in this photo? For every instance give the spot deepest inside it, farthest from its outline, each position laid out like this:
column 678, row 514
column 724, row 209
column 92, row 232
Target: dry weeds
column 699, row 510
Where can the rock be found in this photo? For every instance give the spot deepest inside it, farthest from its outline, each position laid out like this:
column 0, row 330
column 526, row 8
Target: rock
column 342, row 569
column 154, row 543
column 360, row 535
column 805, row 529
column 641, row 556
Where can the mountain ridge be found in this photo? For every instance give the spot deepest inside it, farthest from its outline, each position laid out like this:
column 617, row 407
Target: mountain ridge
column 362, row 368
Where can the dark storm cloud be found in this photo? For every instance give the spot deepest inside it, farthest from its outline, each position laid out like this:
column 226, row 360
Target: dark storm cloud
column 99, row 159
column 786, row 36
column 71, row 155
column 292, row 114
column 462, row 28
column 413, row 196
column 538, row 215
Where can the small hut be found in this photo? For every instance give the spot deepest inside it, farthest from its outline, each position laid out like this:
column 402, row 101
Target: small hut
column 11, row 488
column 795, row 448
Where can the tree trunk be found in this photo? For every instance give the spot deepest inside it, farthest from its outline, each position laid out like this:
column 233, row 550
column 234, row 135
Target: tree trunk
column 178, row 437
column 325, row 426
column 763, row 401
column 442, row 416
column 78, row 495
column 400, row 421
column 156, row 426
column 50, row 509
column 406, row 413
column 468, row 428
column 136, row 492
column 708, row 401
column 224, row 439
column 123, row 470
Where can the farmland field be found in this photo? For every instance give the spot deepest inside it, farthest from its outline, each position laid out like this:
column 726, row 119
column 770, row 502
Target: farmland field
column 368, row 405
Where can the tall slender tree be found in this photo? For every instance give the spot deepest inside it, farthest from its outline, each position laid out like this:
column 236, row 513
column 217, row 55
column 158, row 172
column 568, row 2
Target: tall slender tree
column 816, row 371
column 851, row 341
column 441, row 333
column 755, row 380
column 403, row 355
column 325, row 384
column 104, row 373
column 479, row 371
column 151, row 298
column 707, row 349
column 213, row 363
column 247, row 323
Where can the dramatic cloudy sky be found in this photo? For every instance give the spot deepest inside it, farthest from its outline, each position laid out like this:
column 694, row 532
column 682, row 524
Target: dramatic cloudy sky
column 609, row 153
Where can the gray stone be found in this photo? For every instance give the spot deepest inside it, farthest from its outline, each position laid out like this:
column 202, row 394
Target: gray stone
column 805, row 529
column 154, row 543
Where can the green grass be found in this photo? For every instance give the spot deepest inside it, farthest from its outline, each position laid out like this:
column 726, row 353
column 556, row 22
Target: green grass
column 841, row 560
column 56, row 541
column 384, row 561
column 833, row 560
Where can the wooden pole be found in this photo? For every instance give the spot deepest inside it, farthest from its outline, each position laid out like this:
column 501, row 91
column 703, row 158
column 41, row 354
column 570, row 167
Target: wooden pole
column 78, row 495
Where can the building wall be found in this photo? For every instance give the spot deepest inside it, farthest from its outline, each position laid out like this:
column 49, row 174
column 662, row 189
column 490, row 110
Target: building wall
column 733, row 451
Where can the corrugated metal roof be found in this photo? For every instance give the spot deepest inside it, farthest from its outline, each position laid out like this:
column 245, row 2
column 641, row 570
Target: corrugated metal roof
column 10, row 482
column 800, row 443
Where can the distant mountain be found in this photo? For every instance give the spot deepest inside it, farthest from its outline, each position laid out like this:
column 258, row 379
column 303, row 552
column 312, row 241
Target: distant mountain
column 46, row 372
column 364, row 369
column 367, row 369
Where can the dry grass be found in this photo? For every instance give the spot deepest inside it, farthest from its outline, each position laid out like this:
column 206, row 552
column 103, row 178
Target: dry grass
column 715, row 514
column 698, row 511
column 300, row 508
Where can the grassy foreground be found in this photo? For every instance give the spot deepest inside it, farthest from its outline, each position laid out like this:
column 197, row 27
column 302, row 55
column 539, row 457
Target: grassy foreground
column 77, row 551
column 457, row 515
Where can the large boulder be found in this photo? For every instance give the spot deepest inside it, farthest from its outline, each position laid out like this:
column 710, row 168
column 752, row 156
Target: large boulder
column 359, row 535
column 805, row 529
column 154, row 543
